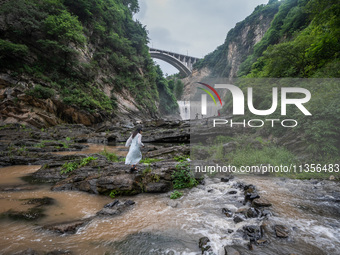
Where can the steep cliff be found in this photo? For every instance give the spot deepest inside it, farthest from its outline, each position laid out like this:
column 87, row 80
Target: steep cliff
column 239, row 43
column 288, row 39
column 79, row 61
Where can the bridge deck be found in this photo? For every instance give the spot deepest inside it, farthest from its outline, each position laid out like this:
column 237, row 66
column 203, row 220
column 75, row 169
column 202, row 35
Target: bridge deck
column 173, row 54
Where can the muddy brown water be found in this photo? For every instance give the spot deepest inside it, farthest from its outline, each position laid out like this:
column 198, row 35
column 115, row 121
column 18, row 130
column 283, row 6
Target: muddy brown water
column 159, row 225
column 119, row 150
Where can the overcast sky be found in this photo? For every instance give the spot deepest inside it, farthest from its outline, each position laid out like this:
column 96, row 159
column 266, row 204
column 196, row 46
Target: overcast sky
column 191, row 27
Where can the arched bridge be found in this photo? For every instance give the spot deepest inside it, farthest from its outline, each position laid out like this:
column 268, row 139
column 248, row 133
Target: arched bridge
column 183, row 63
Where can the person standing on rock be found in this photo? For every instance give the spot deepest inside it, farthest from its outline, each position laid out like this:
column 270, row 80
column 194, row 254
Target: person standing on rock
column 134, row 155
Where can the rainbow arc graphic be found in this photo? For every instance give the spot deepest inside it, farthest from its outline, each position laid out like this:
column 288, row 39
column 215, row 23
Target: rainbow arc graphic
column 204, row 97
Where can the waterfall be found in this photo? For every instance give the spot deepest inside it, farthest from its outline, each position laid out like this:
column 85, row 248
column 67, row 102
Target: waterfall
column 192, row 109
column 184, row 109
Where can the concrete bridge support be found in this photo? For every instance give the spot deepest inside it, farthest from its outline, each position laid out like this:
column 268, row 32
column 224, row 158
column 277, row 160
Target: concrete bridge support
column 183, row 63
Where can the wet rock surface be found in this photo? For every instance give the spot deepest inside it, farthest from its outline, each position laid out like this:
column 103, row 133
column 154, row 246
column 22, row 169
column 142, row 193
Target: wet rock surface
column 281, row 231
column 203, row 244
column 28, row 145
column 36, row 210
column 34, row 252
column 115, row 208
column 261, row 202
column 230, row 251
column 101, row 177
column 227, row 212
column 67, row 227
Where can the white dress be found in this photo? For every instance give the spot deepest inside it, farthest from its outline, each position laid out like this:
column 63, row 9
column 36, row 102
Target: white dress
column 134, row 155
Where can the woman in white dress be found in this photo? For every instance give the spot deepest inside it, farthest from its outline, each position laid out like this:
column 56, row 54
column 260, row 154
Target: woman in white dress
column 135, row 154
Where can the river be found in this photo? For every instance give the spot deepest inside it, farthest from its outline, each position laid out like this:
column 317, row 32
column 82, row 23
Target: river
column 159, row 225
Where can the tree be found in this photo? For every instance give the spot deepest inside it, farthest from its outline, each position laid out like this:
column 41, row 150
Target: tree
column 178, row 89
column 65, row 28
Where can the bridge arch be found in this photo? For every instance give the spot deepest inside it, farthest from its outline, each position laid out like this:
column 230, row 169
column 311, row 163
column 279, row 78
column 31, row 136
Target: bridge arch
column 184, row 64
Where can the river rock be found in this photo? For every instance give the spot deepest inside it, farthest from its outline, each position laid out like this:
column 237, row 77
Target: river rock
column 232, row 192
column 253, row 213
column 261, row 202
column 103, row 177
column 281, row 231
column 169, row 152
column 227, row 212
column 204, row 245
column 261, row 242
column 227, row 178
column 70, row 227
column 252, row 232
column 230, row 251
column 115, row 208
column 249, row 189
column 39, row 201
column 34, row 213
column 58, row 252
column 29, row 215
column 238, row 219
column 239, row 185
column 29, row 251
column 250, row 197
column 158, row 187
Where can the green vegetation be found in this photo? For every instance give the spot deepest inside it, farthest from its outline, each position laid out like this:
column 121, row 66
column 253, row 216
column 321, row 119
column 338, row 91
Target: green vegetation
column 321, row 131
column 110, row 156
column 10, row 53
column 181, row 158
column 149, row 160
column 303, row 41
column 176, row 194
column 183, row 177
column 114, row 193
column 45, row 143
column 147, row 170
column 272, row 155
column 75, row 49
column 71, row 166
column 168, row 101
column 178, row 89
column 247, row 150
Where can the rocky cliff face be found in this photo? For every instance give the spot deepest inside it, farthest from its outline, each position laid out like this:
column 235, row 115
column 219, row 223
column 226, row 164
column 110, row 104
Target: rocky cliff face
column 242, row 45
column 18, row 107
column 76, row 62
column 225, row 61
column 227, row 58
column 196, row 76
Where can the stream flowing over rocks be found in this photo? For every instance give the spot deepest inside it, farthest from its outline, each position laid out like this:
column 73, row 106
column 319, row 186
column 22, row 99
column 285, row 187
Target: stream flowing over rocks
column 45, row 210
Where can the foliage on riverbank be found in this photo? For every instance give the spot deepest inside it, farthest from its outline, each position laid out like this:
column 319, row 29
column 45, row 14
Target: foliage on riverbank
column 88, row 53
